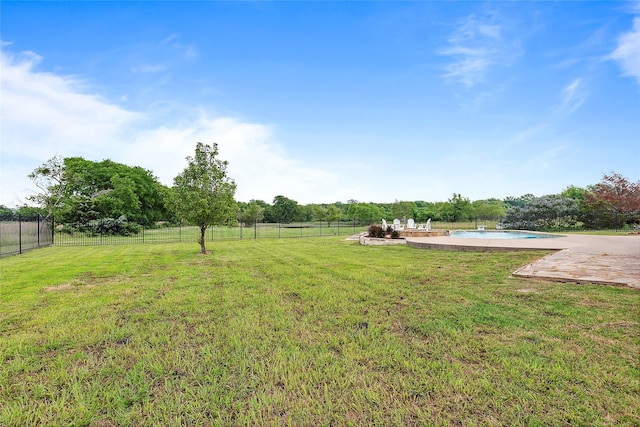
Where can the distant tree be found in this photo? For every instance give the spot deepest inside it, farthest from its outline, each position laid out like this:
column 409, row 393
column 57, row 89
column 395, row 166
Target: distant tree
column 402, row 209
column 580, row 196
column 203, row 194
column 489, row 209
column 31, row 211
column 6, row 213
column 576, row 193
column 285, row 210
column 334, row 213
column 521, row 201
column 318, row 212
column 365, row 212
column 617, row 195
column 461, row 208
column 422, row 211
column 253, row 213
column 546, row 212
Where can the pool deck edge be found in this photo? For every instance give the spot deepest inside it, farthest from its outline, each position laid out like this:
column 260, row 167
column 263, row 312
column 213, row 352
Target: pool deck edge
column 610, row 260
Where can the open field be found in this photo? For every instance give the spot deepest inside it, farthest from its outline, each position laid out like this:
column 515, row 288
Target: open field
column 316, row 331
column 190, row 234
column 16, row 237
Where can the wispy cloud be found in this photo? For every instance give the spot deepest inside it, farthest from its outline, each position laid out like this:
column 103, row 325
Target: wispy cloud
column 627, row 52
column 475, row 47
column 187, row 51
column 149, row 68
column 573, row 96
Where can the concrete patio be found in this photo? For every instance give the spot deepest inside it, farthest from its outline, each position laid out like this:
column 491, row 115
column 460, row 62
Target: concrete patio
column 579, row 258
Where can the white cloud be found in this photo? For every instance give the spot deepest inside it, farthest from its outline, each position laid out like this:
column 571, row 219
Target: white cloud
column 149, row 68
column 475, row 47
column 573, row 96
column 259, row 165
column 43, row 114
column 627, row 52
column 188, row 51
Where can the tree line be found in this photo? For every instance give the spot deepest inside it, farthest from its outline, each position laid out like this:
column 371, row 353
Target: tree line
column 82, row 193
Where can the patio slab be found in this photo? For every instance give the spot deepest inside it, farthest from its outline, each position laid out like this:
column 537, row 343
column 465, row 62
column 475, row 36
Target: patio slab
column 579, row 258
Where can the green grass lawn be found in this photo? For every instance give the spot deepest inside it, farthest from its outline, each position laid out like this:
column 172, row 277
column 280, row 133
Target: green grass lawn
column 316, row 331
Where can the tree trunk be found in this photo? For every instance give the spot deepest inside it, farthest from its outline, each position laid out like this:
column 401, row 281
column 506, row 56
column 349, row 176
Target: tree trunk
column 203, row 229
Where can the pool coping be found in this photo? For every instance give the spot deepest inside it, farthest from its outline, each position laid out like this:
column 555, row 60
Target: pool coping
column 578, row 258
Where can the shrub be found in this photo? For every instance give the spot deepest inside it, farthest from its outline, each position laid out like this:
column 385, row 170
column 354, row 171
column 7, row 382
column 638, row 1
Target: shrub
column 376, row 231
column 110, row 226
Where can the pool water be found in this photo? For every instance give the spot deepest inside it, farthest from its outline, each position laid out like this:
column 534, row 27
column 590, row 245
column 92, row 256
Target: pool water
column 481, row 234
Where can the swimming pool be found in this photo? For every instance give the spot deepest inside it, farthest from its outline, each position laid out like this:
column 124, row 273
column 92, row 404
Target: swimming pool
column 481, row 234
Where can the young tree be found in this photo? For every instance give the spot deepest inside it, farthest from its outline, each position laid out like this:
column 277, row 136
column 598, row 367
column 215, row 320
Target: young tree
column 203, row 193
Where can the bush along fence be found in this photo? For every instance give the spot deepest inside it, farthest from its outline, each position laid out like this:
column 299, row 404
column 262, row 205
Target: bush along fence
column 20, row 234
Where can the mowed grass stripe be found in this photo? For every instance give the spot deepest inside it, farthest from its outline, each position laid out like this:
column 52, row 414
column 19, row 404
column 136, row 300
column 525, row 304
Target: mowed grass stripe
column 314, row 331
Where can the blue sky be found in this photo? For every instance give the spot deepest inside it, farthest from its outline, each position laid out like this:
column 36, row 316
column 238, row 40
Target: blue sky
column 327, row 101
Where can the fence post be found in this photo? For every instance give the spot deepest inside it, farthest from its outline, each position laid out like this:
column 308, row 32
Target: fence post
column 19, row 234
column 255, row 229
column 278, row 230
column 39, row 220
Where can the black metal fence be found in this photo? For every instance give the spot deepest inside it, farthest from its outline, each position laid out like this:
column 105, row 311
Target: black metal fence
column 21, row 234
column 182, row 233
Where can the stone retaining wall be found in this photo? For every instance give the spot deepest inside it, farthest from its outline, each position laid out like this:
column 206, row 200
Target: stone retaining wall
column 422, row 233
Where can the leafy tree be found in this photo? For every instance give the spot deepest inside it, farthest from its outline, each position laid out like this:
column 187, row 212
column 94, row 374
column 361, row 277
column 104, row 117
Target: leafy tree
column 253, row 213
column 115, row 189
column 489, row 209
column 285, row 210
column 6, row 213
column 31, row 211
column 402, row 209
column 365, row 212
column 78, row 190
column 334, row 213
column 460, row 208
column 318, row 212
column 521, row 201
column 49, row 178
column 203, row 193
column 544, row 212
column 616, row 194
